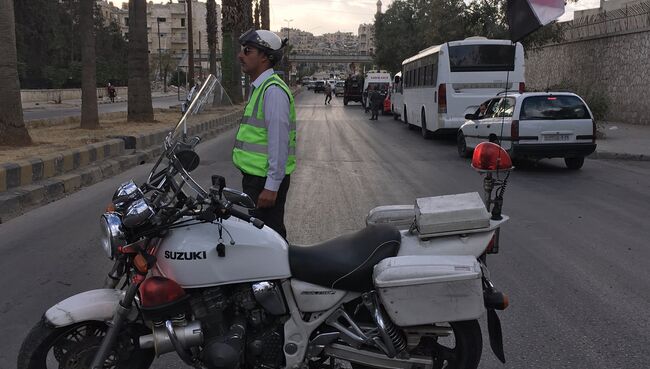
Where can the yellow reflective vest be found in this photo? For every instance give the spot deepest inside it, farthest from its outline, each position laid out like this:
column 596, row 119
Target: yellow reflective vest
column 250, row 154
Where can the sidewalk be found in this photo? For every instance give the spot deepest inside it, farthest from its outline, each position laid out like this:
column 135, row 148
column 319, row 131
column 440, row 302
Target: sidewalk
column 623, row 142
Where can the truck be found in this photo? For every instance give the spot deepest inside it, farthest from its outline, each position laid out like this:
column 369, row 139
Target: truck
column 353, row 89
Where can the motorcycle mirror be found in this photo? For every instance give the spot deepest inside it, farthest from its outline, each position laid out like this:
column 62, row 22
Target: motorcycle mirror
column 188, row 159
column 238, row 198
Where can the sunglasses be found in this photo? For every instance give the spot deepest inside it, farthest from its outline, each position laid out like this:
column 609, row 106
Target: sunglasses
column 247, row 50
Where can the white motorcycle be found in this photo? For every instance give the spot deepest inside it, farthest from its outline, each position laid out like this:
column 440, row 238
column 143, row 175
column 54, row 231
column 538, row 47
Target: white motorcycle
column 195, row 276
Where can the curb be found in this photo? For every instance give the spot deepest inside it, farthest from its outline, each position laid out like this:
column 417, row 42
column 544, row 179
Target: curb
column 35, row 191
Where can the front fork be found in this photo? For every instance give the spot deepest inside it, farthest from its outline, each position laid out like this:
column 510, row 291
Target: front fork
column 121, row 313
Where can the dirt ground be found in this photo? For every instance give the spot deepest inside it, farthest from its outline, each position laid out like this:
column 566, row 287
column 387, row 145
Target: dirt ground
column 57, row 138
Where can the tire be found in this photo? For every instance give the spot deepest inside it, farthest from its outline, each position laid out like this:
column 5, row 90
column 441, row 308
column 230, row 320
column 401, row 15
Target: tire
column 74, row 346
column 395, row 116
column 345, row 101
column 466, row 353
column 574, row 163
column 426, row 134
column 461, row 144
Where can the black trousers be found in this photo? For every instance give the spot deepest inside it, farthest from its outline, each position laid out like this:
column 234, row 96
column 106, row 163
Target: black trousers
column 272, row 217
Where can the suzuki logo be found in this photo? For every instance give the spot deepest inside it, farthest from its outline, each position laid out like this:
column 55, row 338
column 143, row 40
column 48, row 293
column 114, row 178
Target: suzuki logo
column 188, row 255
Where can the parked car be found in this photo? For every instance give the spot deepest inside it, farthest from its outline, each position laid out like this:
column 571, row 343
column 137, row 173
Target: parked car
column 533, row 125
column 310, row 85
column 319, row 86
column 339, row 88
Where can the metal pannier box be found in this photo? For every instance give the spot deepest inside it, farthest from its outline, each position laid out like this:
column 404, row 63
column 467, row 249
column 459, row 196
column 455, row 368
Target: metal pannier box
column 421, row 289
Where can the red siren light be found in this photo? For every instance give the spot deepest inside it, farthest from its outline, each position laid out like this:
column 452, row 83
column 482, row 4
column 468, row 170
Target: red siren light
column 490, row 157
column 158, row 291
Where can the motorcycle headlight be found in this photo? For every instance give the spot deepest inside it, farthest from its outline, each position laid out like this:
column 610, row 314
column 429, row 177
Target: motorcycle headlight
column 112, row 234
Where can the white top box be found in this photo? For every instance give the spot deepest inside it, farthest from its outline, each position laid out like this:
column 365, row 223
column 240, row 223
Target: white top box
column 450, row 213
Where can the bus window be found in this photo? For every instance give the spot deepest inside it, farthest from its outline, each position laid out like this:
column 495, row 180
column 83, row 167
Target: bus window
column 481, row 58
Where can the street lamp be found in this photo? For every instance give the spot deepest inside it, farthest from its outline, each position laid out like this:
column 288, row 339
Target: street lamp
column 288, row 25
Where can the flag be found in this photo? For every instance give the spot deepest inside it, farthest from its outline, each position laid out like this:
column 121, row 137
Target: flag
column 525, row 16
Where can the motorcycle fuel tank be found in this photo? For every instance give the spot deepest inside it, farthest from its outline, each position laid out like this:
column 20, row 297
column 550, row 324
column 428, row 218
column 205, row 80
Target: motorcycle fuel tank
column 189, row 254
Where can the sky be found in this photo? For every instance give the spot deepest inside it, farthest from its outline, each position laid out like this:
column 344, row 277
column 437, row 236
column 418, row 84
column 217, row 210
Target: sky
column 325, row 16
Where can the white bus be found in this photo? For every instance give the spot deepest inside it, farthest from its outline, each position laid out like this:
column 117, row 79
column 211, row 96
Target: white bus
column 444, row 82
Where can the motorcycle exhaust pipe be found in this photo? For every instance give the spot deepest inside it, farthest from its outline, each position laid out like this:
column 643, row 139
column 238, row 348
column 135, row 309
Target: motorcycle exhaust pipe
column 189, row 335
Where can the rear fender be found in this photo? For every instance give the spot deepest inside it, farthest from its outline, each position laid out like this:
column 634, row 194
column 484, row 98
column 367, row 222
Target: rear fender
column 97, row 305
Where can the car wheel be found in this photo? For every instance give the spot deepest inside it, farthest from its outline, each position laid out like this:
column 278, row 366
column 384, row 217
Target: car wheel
column 461, row 143
column 574, row 163
column 345, row 101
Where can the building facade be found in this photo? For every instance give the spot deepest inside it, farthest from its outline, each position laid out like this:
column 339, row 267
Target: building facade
column 167, row 29
column 366, row 39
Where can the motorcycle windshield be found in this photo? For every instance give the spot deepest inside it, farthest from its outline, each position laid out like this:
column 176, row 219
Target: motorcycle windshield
column 205, row 102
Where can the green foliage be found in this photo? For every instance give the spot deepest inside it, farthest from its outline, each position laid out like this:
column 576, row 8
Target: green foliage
column 49, row 47
column 409, row 26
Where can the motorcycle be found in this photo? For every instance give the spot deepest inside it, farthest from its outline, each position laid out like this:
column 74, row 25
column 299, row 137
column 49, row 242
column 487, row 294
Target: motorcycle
column 196, row 276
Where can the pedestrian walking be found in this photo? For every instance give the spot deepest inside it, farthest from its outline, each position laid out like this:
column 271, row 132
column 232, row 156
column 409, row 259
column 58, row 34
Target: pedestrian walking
column 265, row 146
column 110, row 89
column 328, row 93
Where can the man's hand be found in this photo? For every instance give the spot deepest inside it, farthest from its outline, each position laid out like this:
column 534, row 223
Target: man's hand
column 267, row 199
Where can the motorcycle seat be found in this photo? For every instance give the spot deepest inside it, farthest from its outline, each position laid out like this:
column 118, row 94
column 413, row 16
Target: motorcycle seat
column 345, row 262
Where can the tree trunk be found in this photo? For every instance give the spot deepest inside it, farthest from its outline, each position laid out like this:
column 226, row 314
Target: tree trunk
column 231, row 22
column 139, row 104
column 12, row 126
column 190, row 44
column 89, row 114
column 211, row 23
column 256, row 17
column 266, row 22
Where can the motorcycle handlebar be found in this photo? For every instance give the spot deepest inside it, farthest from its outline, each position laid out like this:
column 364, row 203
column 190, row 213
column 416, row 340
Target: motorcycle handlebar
column 243, row 216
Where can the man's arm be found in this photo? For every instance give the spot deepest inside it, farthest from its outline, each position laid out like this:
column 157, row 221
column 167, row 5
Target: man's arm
column 276, row 117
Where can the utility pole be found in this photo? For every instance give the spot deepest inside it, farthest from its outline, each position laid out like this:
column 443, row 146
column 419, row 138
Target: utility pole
column 286, row 54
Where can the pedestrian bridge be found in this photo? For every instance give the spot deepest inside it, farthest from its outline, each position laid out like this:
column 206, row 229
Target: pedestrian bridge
column 294, row 58
column 314, row 58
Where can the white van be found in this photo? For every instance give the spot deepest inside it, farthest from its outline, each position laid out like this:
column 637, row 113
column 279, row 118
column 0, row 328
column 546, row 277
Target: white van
column 379, row 80
column 445, row 82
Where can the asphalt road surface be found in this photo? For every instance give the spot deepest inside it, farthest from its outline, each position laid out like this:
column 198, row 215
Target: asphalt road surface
column 54, row 111
column 574, row 256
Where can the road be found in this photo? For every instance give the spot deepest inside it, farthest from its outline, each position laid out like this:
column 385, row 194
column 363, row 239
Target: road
column 65, row 110
column 573, row 257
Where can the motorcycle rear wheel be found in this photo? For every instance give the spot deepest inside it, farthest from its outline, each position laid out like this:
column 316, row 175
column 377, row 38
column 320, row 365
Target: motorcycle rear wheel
column 74, row 347
column 462, row 351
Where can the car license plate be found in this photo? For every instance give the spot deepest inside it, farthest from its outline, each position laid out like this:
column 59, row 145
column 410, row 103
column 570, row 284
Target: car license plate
column 557, row 137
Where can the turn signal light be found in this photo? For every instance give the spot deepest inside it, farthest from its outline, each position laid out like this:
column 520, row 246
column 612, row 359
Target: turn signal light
column 490, row 157
column 495, row 300
column 110, row 208
column 140, row 263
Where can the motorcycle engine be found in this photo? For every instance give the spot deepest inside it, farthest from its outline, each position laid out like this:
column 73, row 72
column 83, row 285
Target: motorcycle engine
column 238, row 321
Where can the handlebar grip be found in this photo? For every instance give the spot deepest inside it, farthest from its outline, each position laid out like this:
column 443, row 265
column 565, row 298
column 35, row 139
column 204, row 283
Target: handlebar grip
column 243, row 216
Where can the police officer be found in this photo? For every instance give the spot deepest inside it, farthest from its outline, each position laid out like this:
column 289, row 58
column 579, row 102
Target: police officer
column 265, row 147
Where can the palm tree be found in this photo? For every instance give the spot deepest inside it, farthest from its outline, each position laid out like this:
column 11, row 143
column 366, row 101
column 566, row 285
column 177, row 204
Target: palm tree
column 231, row 11
column 190, row 44
column 139, row 103
column 12, row 126
column 211, row 23
column 89, row 114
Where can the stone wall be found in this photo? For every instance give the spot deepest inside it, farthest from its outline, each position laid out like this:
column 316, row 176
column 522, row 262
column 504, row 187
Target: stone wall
column 614, row 67
column 605, row 57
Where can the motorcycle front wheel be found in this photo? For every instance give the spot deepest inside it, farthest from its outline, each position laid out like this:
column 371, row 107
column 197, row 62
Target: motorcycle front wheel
column 74, row 347
column 461, row 350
